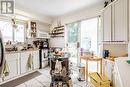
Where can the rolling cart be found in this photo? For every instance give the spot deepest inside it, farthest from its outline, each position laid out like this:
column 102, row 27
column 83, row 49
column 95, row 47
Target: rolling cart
column 60, row 78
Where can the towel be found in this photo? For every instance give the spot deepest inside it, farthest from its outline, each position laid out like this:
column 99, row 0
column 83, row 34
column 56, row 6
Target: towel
column 30, row 62
column 5, row 69
column 58, row 66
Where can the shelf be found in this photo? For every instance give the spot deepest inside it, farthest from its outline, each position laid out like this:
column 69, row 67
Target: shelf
column 59, row 27
column 56, row 33
column 56, row 36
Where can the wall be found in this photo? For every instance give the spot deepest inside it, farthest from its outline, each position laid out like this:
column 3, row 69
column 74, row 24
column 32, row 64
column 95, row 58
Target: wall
column 41, row 20
column 43, row 27
column 73, row 17
column 33, row 16
column 57, row 42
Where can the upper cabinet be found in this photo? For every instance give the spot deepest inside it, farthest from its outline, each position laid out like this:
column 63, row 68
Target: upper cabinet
column 115, row 21
column 107, row 23
column 31, row 30
column 120, row 12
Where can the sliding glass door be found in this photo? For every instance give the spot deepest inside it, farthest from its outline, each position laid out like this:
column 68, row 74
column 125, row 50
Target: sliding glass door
column 82, row 38
column 89, row 35
column 73, row 30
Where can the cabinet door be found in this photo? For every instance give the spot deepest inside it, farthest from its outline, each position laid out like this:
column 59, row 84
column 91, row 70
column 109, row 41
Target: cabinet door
column 120, row 20
column 36, row 59
column 12, row 61
column 117, row 79
column 24, row 61
column 107, row 24
column 108, row 69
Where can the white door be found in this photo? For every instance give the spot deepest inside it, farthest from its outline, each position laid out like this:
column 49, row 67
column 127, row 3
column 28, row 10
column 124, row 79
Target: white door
column 120, row 16
column 107, row 24
column 24, row 61
column 12, row 61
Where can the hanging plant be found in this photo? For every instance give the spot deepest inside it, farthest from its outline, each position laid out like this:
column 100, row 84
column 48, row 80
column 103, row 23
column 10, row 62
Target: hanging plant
column 14, row 23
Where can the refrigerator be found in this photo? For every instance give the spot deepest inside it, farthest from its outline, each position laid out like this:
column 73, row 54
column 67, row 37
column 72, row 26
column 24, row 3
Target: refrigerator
column 2, row 59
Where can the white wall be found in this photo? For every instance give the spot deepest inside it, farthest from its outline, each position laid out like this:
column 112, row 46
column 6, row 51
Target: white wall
column 42, row 27
column 34, row 16
column 73, row 17
column 57, row 42
column 41, row 20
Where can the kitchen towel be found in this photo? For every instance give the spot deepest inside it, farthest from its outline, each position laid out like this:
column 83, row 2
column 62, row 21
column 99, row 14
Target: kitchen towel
column 5, row 69
column 30, row 62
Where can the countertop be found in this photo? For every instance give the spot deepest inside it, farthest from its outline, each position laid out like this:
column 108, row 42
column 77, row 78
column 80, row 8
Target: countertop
column 6, row 52
column 123, row 70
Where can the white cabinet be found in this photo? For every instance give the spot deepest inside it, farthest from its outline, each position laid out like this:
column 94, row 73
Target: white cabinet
column 24, row 61
column 116, row 78
column 120, row 16
column 36, row 59
column 108, row 67
column 107, row 23
column 12, row 61
column 18, row 64
column 129, row 20
column 115, row 21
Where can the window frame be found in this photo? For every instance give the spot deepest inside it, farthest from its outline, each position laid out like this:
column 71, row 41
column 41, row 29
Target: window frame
column 7, row 19
column 23, row 23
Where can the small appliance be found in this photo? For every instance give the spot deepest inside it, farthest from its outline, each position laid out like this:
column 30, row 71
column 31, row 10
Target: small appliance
column 105, row 53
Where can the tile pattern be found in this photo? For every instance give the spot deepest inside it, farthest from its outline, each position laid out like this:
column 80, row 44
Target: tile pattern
column 44, row 80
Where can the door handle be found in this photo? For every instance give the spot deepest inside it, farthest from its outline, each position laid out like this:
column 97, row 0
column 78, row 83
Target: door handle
column 78, row 44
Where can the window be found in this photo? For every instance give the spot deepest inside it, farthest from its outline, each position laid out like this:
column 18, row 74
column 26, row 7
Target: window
column 12, row 34
column 89, row 37
column 19, row 33
column 72, row 32
column 7, row 31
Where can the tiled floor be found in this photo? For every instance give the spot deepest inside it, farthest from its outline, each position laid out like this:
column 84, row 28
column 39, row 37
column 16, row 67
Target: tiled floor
column 44, row 80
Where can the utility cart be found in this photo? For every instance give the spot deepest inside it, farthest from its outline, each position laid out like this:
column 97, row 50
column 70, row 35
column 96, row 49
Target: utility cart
column 60, row 72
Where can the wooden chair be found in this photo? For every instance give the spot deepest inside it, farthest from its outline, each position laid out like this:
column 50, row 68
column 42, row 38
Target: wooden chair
column 99, row 81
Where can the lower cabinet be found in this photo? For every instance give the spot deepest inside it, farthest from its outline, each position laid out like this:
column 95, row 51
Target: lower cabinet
column 24, row 61
column 13, row 65
column 36, row 59
column 18, row 63
column 116, row 78
column 108, row 67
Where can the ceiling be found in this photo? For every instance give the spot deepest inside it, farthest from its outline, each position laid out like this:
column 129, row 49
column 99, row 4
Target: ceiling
column 54, row 8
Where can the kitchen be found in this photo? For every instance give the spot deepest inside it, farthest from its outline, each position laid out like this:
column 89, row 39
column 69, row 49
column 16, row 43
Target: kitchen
column 76, row 46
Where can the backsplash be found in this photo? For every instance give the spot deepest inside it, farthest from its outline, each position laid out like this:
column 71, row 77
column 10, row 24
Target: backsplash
column 116, row 50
